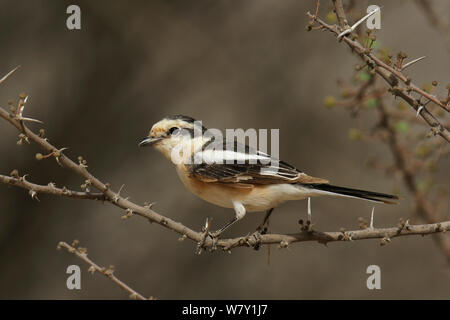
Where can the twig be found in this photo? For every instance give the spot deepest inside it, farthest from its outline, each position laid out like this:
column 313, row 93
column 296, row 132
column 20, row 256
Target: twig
column 109, row 273
column 423, row 207
column 50, row 189
column 392, row 77
column 340, row 14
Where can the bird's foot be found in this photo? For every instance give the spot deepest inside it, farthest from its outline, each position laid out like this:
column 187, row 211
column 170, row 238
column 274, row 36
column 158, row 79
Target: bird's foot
column 205, row 234
column 307, row 227
column 262, row 229
column 257, row 236
column 215, row 235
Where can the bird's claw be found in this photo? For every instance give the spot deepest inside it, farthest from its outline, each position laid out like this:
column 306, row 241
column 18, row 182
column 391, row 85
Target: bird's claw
column 307, row 227
column 257, row 235
column 214, row 235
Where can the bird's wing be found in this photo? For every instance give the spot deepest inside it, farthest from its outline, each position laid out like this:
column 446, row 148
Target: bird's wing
column 242, row 167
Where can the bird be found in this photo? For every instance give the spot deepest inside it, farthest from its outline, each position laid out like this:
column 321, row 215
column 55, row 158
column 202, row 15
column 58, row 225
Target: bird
column 234, row 175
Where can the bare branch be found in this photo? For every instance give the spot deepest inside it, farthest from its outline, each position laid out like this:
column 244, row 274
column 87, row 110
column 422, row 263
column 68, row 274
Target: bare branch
column 325, row 237
column 340, row 13
column 107, row 272
column 50, row 189
column 423, row 208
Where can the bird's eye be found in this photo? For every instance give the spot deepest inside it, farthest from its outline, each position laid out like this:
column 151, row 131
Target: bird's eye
column 174, row 131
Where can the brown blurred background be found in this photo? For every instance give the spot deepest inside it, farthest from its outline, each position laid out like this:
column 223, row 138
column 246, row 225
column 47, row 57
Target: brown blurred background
column 232, row 64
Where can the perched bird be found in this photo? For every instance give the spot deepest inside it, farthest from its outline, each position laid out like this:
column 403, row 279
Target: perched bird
column 235, row 175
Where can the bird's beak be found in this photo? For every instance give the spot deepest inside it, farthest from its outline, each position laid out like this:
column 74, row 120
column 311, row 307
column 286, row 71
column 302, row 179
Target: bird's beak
column 148, row 141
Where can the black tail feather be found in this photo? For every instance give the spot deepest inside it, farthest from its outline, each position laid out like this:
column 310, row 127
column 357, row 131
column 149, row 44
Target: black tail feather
column 362, row 194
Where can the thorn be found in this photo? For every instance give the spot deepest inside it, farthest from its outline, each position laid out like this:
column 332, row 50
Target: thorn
column 371, row 217
column 20, row 118
column 33, row 195
column 407, row 225
column 9, row 73
column 56, row 154
column 149, row 205
column 206, row 233
column 309, row 209
column 206, row 226
column 412, row 62
column 350, row 30
column 116, row 197
column 418, row 110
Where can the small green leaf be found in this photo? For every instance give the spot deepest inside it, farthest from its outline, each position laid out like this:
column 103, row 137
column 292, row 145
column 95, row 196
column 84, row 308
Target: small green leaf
column 364, row 76
column 402, row 126
column 331, row 17
column 329, row 102
column 355, row 134
column 375, row 44
column 372, row 103
column 427, row 87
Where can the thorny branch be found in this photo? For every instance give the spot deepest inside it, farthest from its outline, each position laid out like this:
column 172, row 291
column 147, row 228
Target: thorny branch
column 423, row 208
column 204, row 242
column 107, row 272
column 391, row 74
column 35, row 189
column 408, row 167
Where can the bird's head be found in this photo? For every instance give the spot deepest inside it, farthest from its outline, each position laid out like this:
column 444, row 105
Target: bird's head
column 171, row 132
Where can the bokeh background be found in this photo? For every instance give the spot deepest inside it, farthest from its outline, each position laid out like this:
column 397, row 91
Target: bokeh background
column 232, row 64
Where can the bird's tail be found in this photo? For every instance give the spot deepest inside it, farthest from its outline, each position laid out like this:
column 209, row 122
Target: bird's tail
column 354, row 193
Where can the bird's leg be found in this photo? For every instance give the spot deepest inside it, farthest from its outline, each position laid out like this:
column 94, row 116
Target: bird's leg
column 240, row 213
column 308, row 226
column 309, row 211
column 262, row 228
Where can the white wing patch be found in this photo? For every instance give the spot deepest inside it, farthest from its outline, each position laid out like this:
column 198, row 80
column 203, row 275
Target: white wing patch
column 229, row 156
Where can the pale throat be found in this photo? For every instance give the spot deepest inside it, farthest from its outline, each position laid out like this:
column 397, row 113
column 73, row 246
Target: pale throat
column 181, row 150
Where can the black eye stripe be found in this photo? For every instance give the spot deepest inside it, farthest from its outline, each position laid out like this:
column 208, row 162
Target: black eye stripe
column 173, row 129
